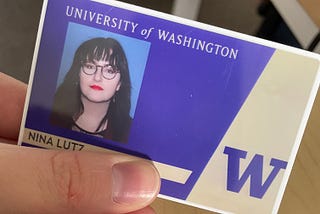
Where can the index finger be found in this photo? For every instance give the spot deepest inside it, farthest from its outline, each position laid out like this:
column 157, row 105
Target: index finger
column 12, row 99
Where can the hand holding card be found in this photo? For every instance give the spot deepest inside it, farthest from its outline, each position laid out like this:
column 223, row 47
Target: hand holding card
column 66, row 182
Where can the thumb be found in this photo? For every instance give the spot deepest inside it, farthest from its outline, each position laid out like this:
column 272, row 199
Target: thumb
column 47, row 181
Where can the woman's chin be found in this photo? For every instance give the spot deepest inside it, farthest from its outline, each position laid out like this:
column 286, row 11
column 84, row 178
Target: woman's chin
column 97, row 98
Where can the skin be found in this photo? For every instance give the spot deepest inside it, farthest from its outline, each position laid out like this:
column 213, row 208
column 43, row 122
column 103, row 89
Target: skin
column 108, row 87
column 96, row 101
column 48, row 181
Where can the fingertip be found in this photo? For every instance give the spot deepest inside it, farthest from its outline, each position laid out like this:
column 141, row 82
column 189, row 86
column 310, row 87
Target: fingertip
column 107, row 183
column 135, row 182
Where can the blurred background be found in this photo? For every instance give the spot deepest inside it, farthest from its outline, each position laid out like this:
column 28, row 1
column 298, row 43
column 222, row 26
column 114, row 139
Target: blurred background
column 19, row 22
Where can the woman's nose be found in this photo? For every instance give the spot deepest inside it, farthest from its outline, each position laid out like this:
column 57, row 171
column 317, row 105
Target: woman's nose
column 98, row 74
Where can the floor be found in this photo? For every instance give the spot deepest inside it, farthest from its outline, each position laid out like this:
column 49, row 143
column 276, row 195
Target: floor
column 19, row 23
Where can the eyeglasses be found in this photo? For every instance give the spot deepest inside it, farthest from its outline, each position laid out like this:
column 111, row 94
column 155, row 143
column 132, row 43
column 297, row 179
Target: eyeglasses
column 108, row 71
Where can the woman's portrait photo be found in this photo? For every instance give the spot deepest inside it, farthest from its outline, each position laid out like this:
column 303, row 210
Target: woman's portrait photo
column 95, row 95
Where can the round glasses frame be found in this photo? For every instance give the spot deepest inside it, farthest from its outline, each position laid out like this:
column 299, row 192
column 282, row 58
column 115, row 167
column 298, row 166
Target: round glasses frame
column 108, row 72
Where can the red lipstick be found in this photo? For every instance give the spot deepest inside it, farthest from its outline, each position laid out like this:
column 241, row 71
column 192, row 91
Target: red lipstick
column 96, row 87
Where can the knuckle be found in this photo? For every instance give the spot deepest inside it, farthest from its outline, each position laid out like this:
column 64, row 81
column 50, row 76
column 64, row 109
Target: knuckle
column 67, row 177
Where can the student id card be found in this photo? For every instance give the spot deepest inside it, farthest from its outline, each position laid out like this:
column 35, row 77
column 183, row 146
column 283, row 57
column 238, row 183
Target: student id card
column 221, row 114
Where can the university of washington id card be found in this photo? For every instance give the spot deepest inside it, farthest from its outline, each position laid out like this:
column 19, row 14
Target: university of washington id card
column 221, row 114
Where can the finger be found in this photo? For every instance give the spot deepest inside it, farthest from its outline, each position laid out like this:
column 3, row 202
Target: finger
column 8, row 141
column 47, row 181
column 12, row 102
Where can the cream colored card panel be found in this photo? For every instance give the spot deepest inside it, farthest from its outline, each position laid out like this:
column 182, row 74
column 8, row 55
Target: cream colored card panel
column 267, row 124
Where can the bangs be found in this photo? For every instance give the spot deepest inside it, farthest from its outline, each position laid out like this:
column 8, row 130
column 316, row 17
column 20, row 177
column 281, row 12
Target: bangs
column 102, row 49
column 99, row 53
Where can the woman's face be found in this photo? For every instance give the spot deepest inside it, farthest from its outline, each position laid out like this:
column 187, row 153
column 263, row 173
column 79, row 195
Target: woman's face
column 95, row 82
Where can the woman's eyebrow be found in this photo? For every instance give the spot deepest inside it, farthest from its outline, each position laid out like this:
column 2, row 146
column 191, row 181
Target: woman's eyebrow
column 107, row 64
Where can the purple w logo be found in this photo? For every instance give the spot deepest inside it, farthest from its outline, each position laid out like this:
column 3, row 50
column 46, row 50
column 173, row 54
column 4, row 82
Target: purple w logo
column 254, row 170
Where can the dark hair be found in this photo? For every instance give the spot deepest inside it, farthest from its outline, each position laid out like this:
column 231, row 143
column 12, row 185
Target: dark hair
column 67, row 105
